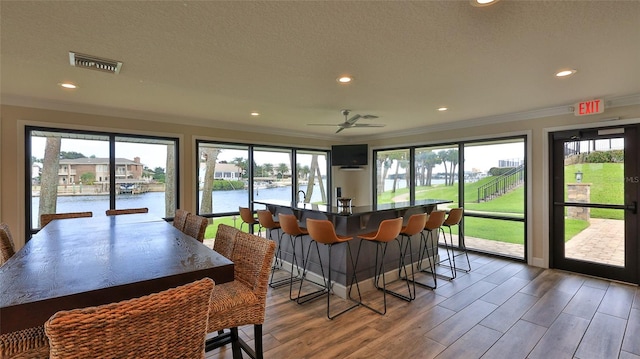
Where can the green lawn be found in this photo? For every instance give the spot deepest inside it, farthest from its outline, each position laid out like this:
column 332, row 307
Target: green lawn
column 213, row 228
column 607, row 186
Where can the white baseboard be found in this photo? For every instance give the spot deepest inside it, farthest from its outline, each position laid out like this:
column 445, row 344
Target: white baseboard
column 538, row 262
column 366, row 285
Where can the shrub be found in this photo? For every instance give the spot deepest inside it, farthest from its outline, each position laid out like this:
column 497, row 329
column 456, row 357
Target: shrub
column 498, row 171
column 225, row 185
column 613, row 156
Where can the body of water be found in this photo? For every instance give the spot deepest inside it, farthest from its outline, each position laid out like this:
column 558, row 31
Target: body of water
column 223, row 201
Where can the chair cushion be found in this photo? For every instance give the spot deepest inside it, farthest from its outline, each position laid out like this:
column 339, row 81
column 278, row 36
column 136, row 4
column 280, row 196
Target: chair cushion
column 232, row 305
column 229, row 295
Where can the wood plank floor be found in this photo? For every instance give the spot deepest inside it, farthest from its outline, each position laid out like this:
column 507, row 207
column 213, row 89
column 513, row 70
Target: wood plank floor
column 500, row 309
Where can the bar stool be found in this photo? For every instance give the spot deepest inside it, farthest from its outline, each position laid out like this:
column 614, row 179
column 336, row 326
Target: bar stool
column 388, row 230
column 266, row 221
column 434, row 224
column 247, row 217
column 290, row 226
column 414, row 226
column 453, row 219
column 323, row 232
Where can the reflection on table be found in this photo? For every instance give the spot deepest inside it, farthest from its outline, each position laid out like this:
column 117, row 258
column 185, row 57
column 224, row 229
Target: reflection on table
column 74, row 263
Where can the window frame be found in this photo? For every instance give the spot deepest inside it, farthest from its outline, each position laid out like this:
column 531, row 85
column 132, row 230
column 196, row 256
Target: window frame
column 112, row 136
column 460, row 172
column 251, row 148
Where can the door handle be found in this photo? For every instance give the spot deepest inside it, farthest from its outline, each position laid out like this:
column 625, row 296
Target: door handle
column 633, row 207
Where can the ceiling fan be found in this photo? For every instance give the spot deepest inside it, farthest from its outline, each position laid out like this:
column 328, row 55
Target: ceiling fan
column 350, row 122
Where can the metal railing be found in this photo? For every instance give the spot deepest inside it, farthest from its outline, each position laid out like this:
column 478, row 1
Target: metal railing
column 501, row 184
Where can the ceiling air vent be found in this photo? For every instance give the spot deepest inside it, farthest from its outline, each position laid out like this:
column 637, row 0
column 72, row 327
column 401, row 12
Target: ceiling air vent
column 94, row 63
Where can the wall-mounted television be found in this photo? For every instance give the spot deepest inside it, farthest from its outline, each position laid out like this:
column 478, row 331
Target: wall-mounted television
column 349, row 155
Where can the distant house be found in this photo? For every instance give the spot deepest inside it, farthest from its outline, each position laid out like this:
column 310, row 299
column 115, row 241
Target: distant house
column 71, row 170
column 227, row 171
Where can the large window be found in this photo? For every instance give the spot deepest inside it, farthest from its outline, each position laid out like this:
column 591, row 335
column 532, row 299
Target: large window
column 494, row 186
column 311, row 176
column 272, row 174
column 486, row 177
column 235, row 175
column 77, row 171
column 222, row 177
column 392, row 181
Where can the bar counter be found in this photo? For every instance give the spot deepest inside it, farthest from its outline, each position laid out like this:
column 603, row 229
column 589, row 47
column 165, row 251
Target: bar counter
column 350, row 221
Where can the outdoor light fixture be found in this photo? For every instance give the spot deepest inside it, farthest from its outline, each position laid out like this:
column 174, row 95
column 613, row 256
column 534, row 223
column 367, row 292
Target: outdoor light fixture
column 578, row 177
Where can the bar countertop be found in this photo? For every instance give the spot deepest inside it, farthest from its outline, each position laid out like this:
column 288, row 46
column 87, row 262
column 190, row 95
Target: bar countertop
column 353, row 210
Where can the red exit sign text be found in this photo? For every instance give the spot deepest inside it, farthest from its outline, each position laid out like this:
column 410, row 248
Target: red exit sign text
column 588, row 107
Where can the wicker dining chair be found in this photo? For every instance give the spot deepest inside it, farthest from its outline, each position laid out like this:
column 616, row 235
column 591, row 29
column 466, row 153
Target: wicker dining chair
column 116, row 212
column 46, row 218
column 7, row 246
column 29, row 343
column 180, row 218
column 168, row 324
column 242, row 301
column 195, row 226
column 225, row 240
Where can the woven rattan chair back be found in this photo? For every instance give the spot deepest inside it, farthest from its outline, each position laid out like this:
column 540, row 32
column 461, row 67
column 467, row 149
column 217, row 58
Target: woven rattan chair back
column 46, row 218
column 252, row 256
column 196, row 226
column 180, row 218
column 116, row 212
column 29, row 343
column 7, row 247
column 225, row 240
column 169, row 324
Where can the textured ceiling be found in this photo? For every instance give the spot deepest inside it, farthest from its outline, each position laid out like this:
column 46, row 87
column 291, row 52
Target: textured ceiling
column 213, row 62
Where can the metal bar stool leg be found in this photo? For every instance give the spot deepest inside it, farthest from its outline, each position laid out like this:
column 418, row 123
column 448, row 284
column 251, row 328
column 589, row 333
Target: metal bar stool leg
column 303, row 298
column 357, row 303
column 403, row 266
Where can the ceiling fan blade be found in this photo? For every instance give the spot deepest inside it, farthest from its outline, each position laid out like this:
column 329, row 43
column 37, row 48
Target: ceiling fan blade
column 369, row 117
column 367, row 125
column 353, row 119
column 340, row 129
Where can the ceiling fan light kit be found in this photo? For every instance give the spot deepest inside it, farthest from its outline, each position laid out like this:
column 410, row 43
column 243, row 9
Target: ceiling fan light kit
column 350, row 122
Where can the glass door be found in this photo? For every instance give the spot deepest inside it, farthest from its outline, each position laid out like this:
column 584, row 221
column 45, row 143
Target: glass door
column 594, row 214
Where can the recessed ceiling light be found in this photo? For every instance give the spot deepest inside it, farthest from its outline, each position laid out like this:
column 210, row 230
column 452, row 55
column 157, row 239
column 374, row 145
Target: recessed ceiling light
column 344, row 79
column 255, row 113
column 565, row 73
column 442, row 109
column 483, row 2
column 68, row 85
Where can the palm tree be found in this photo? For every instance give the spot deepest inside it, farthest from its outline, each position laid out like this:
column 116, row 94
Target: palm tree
column 49, row 177
column 425, row 162
column 243, row 164
column 209, row 156
column 170, row 182
column 401, row 161
column 268, row 169
column 314, row 173
column 384, row 163
column 282, row 169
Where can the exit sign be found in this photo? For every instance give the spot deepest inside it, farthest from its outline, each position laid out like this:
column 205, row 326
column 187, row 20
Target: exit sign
column 590, row 107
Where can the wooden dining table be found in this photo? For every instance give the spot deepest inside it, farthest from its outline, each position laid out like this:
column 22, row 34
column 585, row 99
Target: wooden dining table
column 82, row 262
